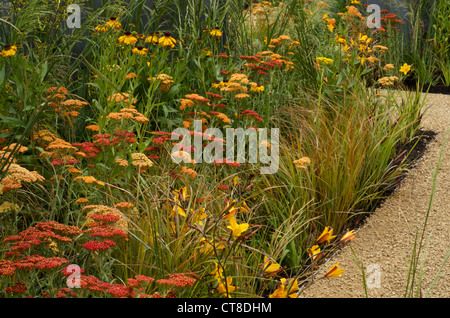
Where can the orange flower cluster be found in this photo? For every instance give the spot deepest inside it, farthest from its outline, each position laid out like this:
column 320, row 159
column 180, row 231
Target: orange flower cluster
column 165, row 81
column 16, row 175
column 128, row 113
column 61, row 105
column 122, row 97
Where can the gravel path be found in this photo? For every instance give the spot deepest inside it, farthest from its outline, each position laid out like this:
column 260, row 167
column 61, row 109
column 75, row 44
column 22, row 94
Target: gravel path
column 384, row 243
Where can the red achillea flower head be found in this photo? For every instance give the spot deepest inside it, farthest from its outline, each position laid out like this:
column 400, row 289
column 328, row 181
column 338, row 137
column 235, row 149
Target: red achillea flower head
column 18, row 288
column 66, row 273
column 217, row 96
column 105, row 218
column 98, row 245
column 177, row 280
column 41, row 233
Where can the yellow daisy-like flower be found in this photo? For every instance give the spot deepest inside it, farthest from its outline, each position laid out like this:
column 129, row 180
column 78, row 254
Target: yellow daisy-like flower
column 216, row 32
column 167, row 40
column 101, row 28
column 128, row 38
column 257, row 87
column 152, row 38
column 8, row 50
column 113, row 23
column 139, row 50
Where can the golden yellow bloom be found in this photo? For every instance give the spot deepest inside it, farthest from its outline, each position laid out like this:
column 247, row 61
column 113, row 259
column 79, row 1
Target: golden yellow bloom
column 128, row 38
column 216, row 32
column 326, row 236
column 270, row 267
column 405, row 68
column 101, row 28
column 152, row 38
column 167, row 40
column 314, row 252
column 113, row 23
column 348, row 236
column 8, row 50
column 287, row 288
column 237, row 229
column 257, row 88
column 323, row 60
column 335, row 271
column 139, row 50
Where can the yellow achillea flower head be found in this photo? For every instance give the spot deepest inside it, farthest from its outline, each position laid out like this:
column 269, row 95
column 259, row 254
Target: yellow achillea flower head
column 335, row 271
column 141, row 160
column 300, row 163
column 8, row 50
column 8, row 206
